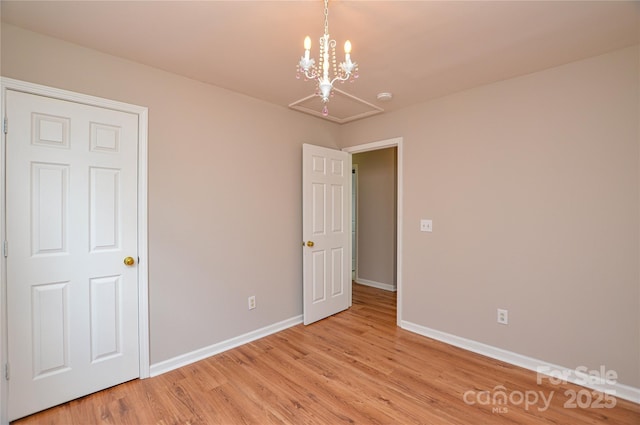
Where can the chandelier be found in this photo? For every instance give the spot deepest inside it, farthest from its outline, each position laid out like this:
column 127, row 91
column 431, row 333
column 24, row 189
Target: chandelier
column 329, row 73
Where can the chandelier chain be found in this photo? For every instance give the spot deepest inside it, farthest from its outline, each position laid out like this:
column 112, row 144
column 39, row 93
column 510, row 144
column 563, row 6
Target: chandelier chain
column 326, row 17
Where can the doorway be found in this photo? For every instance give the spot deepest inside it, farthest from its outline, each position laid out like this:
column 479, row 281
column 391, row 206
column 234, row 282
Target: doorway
column 375, row 220
column 376, row 146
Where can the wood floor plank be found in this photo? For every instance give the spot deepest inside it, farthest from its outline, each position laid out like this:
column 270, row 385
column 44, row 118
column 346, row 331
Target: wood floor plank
column 356, row 367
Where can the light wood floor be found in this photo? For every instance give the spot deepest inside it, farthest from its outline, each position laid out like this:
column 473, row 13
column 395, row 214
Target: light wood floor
column 356, row 367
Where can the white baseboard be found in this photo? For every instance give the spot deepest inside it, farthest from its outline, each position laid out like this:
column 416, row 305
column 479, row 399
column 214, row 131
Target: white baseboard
column 202, row 353
column 385, row 286
column 550, row 370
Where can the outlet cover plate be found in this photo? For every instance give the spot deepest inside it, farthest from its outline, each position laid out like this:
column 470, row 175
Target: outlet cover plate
column 503, row 316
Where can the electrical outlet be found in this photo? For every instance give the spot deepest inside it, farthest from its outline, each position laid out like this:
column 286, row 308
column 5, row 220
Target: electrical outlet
column 252, row 302
column 503, row 316
column 426, row 225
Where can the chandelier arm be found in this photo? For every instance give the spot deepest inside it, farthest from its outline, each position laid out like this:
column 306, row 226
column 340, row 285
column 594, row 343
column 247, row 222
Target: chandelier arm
column 314, row 75
column 339, row 78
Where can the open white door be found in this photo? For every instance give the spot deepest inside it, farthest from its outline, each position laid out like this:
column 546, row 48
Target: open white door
column 326, row 230
column 72, row 283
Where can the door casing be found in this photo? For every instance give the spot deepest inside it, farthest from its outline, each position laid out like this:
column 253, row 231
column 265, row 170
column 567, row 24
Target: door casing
column 143, row 268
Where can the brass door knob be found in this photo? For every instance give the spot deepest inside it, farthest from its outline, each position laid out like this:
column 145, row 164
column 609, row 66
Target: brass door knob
column 129, row 261
column 310, row 244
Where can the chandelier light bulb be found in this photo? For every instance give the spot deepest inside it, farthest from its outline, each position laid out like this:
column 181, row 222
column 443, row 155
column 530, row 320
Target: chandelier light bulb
column 307, row 46
column 347, row 47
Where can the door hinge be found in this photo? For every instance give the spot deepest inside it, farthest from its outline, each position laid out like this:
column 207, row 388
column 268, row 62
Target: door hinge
column 5, row 248
column 6, row 371
column 5, row 125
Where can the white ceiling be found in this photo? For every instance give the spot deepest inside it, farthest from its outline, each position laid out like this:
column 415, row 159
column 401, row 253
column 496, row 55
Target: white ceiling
column 417, row 50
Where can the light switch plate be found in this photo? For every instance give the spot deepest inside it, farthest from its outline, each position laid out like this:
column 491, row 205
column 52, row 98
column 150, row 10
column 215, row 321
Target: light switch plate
column 426, row 225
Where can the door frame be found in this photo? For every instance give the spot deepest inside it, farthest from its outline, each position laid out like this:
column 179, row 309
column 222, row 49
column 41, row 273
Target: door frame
column 143, row 264
column 354, row 220
column 383, row 144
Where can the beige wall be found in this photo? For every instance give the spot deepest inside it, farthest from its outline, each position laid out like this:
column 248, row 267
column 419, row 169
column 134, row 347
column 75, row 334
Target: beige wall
column 533, row 187
column 224, row 191
column 376, row 221
column 532, row 183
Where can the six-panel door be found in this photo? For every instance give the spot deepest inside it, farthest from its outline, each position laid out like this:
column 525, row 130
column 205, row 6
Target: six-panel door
column 326, row 224
column 71, row 220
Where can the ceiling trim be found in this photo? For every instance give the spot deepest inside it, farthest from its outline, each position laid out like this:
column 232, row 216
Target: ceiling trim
column 299, row 105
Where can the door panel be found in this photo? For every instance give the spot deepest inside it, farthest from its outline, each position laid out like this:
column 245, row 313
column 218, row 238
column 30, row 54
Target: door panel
column 104, row 219
column 106, row 331
column 49, row 208
column 326, row 207
column 50, row 315
column 337, row 268
column 72, row 304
